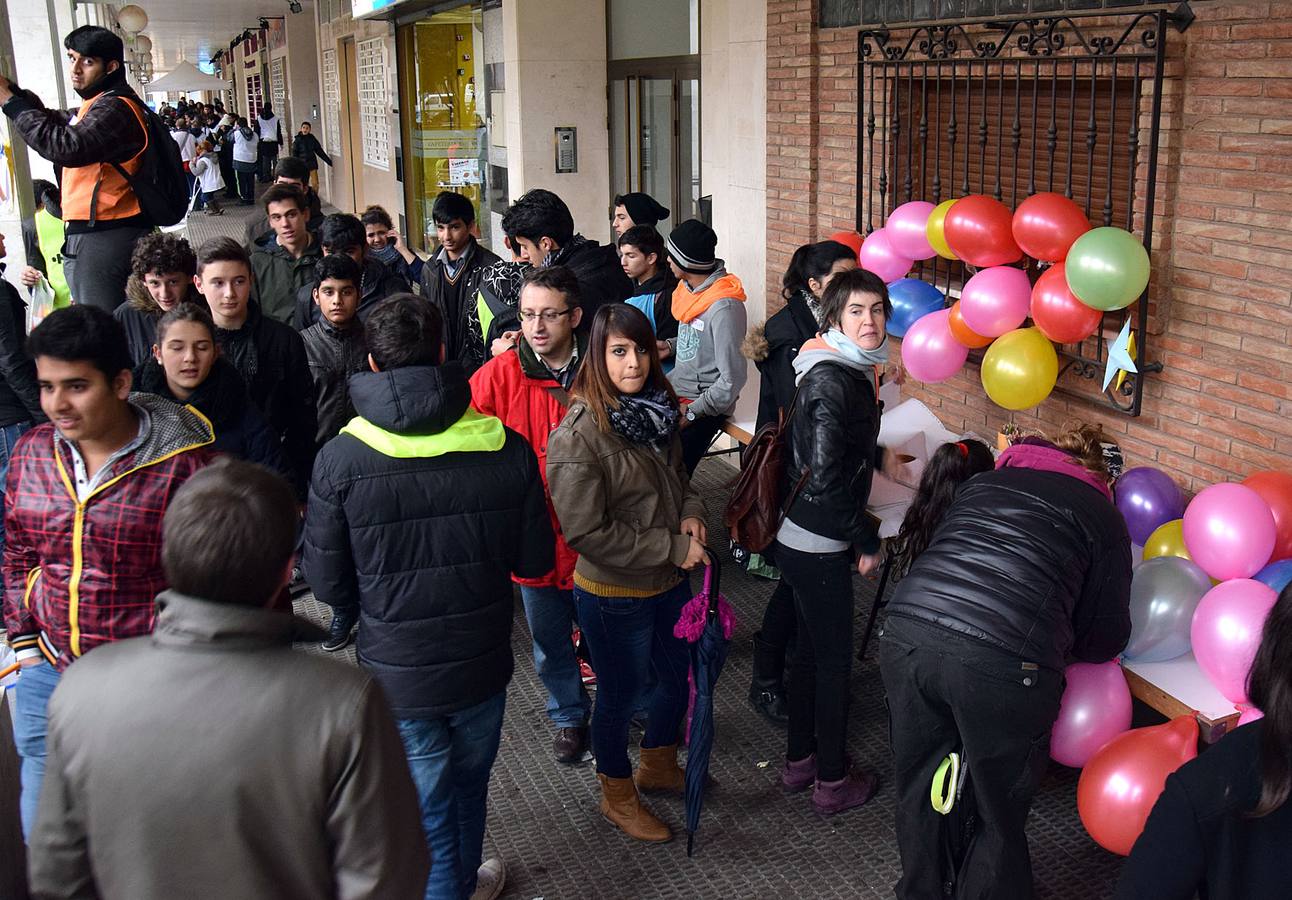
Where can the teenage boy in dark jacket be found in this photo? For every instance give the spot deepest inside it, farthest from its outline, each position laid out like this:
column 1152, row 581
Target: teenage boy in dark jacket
column 306, row 148
column 286, row 264
column 334, row 345
column 269, row 355
column 290, row 171
column 542, row 231
column 161, row 277
column 419, row 513
column 343, row 234
column 641, row 255
column 450, row 277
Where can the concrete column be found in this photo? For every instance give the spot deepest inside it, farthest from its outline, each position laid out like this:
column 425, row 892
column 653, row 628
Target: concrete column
column 555, row 54
column 733, row 143
column 303, row 78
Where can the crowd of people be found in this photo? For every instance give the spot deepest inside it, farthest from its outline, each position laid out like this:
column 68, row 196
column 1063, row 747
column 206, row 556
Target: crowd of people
column 413, row 439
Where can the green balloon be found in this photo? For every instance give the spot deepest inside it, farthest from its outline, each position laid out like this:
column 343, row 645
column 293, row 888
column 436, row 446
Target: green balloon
column 1107, row 268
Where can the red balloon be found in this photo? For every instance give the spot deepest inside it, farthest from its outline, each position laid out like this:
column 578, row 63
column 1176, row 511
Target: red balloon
column 1275, row 488
column 1045, row 225
column 1123, row 780
column 979, row 230
column 962, row 332
column 1058, row 313
column 848, row 239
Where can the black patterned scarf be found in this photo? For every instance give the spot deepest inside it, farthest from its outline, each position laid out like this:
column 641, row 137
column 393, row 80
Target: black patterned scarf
column 648, row 417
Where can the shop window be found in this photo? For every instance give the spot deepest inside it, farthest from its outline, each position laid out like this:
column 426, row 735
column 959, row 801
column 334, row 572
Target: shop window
column 373, row 103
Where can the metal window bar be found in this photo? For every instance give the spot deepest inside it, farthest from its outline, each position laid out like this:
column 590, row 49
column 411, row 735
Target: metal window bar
column 1095, row 86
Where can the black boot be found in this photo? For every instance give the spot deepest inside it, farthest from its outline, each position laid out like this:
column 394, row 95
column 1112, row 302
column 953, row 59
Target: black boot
column 767, row 691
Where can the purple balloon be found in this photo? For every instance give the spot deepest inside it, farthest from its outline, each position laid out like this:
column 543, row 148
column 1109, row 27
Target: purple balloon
column 1148, row 499
column 1226, row 631
column 878, row 255
column 907, row 230
column 1096, row 707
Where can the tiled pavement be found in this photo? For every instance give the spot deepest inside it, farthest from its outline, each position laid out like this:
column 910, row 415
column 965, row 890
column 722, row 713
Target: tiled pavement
column 753, row 841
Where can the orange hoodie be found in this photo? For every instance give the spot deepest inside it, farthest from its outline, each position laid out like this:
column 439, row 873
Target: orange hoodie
column 688, row 306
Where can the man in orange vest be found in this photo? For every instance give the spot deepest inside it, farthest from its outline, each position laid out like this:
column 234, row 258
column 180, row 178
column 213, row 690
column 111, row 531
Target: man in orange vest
column 101, row 213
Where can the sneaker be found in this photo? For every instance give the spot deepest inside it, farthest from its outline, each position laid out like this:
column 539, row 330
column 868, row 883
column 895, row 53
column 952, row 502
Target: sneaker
column 571, row 745
column 490, row 879
column 339, row 632
column 585, row 672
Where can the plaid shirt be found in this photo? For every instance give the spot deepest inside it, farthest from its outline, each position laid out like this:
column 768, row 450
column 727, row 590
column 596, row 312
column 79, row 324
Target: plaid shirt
column 79, row 574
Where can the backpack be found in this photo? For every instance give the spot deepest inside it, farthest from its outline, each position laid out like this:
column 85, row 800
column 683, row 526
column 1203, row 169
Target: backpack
column 161, row 184
column 758, row 500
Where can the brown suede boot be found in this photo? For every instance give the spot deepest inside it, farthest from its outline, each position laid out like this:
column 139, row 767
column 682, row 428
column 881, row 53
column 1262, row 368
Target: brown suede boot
column 622, row 807
column 659, row 771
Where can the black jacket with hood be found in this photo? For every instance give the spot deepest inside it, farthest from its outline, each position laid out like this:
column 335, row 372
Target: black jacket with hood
column 602, row 279
column 334, row 355
column 1034, row 562
column 419, row 513
column 772, row 346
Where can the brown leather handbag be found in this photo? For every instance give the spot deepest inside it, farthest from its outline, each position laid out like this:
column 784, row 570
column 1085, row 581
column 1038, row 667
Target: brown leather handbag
column 758, row 500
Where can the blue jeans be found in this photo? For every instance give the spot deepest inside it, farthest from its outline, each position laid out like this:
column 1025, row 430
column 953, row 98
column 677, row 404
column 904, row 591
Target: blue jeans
column 31, row 699
column 9, row 435
column 630, row 638
column 450, row 758
column 550, row 612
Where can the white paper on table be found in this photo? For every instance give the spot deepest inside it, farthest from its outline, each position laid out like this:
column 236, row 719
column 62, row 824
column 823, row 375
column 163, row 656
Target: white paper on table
column 1183, row 679
column 911, row 428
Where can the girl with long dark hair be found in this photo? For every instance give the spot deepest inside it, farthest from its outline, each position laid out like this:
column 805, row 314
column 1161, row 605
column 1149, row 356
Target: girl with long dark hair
column 826, row 533
column 626, row 506
column 772, row 346
column 1222, row 827
column 950, row 466
column 1028, row 568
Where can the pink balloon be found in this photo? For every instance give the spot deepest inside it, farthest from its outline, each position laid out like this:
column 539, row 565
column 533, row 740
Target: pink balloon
column 996, row 300
column 1248, row 713
column 1229, row 531
column 930, row 351
column 906, row 230
column 1227, row 630
column 1096, row 707
column 878, row 255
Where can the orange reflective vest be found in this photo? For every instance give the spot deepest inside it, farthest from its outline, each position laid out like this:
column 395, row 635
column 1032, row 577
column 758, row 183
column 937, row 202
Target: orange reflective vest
column 98, row 192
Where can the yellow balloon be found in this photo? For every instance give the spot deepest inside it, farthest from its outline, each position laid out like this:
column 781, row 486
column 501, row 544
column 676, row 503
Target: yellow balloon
column 1167, row 540
column 1020, row 368
column 935, row 230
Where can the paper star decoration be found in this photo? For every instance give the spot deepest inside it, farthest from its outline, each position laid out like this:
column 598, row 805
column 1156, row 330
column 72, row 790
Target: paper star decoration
column 1121, row 357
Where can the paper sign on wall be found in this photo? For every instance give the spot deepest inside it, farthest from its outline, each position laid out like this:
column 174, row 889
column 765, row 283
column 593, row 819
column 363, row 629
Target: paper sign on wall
column 464, row 171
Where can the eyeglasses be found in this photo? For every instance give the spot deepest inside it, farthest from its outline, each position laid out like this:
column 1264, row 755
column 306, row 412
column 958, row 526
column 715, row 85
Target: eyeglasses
column 550, row 316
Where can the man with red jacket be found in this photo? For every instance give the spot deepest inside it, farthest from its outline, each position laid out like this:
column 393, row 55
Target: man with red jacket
column 84, row 501
column 526, row 388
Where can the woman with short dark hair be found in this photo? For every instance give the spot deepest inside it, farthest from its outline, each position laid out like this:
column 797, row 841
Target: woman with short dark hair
column 626, row 506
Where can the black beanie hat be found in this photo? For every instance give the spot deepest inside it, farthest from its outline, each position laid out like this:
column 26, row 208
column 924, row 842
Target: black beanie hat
column 692, row 246
column 91, row 40
column 643, row 209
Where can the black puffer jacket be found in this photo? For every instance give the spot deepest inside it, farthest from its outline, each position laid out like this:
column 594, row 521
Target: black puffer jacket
column 378, row 282
column 423, row 532
column 833, row 436
column 334, row 355
column 270, row 357
column 1035, row 562
column 601, row 277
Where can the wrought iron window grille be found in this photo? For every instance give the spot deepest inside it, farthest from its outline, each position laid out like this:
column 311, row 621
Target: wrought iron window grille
column 1069, row 103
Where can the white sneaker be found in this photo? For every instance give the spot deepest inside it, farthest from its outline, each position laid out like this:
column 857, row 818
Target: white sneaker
column 490, row 878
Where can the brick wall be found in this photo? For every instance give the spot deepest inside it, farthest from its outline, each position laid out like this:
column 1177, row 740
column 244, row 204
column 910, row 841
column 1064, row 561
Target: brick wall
column 1222, row 407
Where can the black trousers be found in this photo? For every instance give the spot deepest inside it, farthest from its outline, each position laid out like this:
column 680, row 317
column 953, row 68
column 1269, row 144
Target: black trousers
column 696, row 438
column 946, row 693
column 780, row 620
column 818, row 692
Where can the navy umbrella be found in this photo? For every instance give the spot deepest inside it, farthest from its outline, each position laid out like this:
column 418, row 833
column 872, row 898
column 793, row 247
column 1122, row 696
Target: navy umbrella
column 706, row 623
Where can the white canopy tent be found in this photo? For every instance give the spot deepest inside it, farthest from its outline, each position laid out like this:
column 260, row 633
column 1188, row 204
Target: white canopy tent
column 186, row 77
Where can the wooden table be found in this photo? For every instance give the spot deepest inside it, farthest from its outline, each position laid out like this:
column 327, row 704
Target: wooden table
column 1178, row 687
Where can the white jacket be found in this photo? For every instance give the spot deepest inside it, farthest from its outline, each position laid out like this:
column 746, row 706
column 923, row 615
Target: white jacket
column 245, row 149
column 207, row 169
column 268, row 129
column 187, row 146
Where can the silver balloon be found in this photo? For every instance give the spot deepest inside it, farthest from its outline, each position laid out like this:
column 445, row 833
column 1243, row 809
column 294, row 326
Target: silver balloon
column 1164, row 593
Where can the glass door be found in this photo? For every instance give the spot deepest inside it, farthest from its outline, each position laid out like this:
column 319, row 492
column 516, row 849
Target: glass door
column 655, row 134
